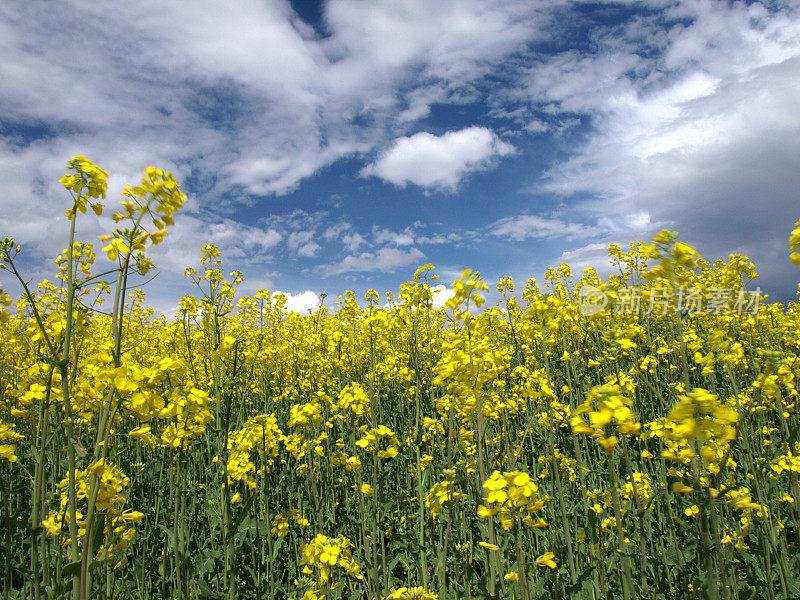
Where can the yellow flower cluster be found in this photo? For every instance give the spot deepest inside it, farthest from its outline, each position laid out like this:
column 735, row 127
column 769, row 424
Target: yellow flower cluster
column 638, row 486
column 370, row 441
column 700, row 419
column 786, row 462
column 609, row 414
column 441, row 493
column 119, row 534
column 190, row 413
column 467, row 289
column 5, row 300
column 111, row 482
column 87, row 180
column 794, row 244
column 354, row 399
column 142, row 388
column 342, row 459
column 303, row 414
column 413, row 593
column 157, row 196
column 7, row 434
column 547, row 560
column 281, row 522
column 260, row 433
column 513, row 494
column 323, row 553
column 676, row 258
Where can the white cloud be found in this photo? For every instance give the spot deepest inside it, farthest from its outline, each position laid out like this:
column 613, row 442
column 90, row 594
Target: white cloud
column 301, row 303
column 439, row 238
column 240, row 245
column 439, row 162
column 308, row 250
column 335, row 231
column 699, row 133
column 353, row 241
column 686, row 114
column 228, row 232
column 385, row 236
column 441, row 294
column 593, row 256
column 523, row 227
column 303, row 242
column 536, row 126
column 248, row 96
column 385, row 260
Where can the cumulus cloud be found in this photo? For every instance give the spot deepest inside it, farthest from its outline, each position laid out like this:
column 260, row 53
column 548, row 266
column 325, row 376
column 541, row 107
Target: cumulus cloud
column 353, row 241
column 698, row 132
column 523, row 227
column 438, row 162
column 303, row 242
column 593, row 256
column 242, row 101
column 240, row 245
column 301, row 303
column 385, row 260
column 308, row 250
column 441, row 294
column 251, row 89
column 335, row 231
column 679, row 114
column 398, row 238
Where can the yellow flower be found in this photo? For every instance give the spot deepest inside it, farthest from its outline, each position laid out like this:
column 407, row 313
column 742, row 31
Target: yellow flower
column 609, row 415
column 608, row 443
column 546, row 560
column 415, row 593
column 7, row 452
column 794, row 244
column 52, row 524
column 488, row 546
column 539, row 523
column 157, row 236
column 329, row 554
column 681, row 488
column 115, row 248
column 132, row 515
column 141, row 433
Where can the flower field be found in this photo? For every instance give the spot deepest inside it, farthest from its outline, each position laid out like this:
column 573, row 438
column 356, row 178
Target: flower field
column 384, row 448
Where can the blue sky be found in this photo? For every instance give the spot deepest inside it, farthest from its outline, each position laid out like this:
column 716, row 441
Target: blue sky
column 338, row 145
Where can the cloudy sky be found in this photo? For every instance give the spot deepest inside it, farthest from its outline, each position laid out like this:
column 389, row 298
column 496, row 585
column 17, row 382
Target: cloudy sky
column 338, row 145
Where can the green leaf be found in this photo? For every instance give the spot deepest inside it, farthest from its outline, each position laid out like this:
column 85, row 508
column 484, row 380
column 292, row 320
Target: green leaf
column 578, row 585
column 71, row 569
column 203, row 591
